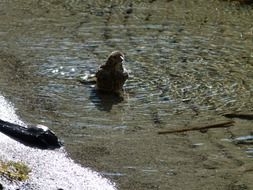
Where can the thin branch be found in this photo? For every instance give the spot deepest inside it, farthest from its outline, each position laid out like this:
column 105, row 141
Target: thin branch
column 248, row 116
column 199, row 128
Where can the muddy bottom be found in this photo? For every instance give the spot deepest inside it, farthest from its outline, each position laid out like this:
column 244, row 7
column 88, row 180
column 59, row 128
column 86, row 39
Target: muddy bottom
column 193, row 160
column 189, row 63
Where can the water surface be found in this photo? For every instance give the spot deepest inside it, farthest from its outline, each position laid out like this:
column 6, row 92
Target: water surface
column 189, row 62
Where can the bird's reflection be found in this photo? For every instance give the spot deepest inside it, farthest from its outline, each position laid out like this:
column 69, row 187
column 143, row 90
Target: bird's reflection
column 104, row 100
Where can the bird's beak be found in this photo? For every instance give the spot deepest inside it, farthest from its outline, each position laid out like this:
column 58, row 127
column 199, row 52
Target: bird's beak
column 122, row 58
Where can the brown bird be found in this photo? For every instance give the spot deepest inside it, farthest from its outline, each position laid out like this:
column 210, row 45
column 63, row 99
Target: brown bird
column 111, row 75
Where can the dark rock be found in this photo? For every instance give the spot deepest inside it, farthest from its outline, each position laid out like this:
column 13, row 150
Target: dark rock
column 35, row 136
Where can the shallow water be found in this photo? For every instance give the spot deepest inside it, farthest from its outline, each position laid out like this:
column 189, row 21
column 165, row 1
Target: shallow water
column 189, row 61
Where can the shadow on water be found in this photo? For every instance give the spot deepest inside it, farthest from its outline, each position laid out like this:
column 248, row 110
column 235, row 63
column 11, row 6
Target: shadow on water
column 103, row 100
column 190, row 61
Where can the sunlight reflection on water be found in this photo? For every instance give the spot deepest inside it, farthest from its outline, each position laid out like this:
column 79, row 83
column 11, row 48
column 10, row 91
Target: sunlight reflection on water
column 188, row 60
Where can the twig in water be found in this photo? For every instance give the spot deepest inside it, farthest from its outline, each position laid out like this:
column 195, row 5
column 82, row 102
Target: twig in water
column 199, row 128
column 248, row 116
